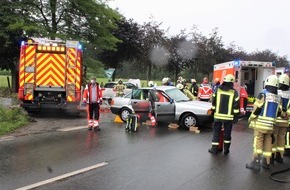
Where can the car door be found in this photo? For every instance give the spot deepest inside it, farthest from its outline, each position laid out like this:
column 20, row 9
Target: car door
column 164, row 108
column 140, row 102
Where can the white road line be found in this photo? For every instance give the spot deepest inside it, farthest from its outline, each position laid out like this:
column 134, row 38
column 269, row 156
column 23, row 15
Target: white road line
column 72, row 128
column 8, row 138
column 62, row 177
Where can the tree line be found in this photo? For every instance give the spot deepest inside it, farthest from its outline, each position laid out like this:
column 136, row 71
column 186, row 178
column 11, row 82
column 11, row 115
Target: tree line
column 110, row 40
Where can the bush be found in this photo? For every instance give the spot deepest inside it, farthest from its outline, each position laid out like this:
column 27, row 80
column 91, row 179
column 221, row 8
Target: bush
column 12, row 119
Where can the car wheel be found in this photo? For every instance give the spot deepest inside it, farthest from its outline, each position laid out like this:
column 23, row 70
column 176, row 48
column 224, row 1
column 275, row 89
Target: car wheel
column 124, row 113
column 189, row 120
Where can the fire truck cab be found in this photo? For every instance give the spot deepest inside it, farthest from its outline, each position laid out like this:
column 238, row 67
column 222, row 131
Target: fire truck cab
column 50, row 74
column 251, row 74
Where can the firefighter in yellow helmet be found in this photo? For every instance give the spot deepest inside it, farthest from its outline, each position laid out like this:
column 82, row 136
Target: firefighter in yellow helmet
column 281, row 125
column 225, row 107
column 262, row 120
column 119, row 88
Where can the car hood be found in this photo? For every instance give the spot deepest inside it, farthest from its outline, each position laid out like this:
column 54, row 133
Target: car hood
column 195, row 106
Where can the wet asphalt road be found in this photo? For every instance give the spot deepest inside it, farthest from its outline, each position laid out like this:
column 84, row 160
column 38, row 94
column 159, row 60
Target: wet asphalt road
column 152, row 158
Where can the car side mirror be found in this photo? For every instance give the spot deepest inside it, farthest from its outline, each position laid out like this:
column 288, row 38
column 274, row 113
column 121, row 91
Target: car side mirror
column 171, row 101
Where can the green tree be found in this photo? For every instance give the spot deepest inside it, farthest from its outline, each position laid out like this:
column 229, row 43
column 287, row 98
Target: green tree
column 89, row 21
column 128, row 49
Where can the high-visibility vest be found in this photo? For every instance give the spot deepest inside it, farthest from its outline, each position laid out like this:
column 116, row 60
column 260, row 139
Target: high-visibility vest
column 88, row 93
column 204, row 91
column 269, row 106
column 226, row 104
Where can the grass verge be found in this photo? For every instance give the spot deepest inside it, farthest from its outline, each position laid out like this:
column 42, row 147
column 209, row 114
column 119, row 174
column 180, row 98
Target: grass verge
column 12, row 119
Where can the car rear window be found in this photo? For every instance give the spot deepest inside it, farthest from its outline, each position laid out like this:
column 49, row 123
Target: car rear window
column 109, row 85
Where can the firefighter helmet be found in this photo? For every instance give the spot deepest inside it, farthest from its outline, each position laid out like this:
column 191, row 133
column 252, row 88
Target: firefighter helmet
column 193, row 80
column 120, row 81
column 151, row 83
column 179, row 86
column 272, row 81
column 229, row 78
column 284, row 79
column 164, row 80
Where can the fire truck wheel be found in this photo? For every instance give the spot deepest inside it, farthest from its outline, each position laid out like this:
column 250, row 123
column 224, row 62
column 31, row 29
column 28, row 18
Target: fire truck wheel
column 188, row 120
column 124, row 113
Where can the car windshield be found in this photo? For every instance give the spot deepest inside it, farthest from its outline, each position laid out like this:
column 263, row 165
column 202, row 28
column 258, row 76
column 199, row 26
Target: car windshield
column 177, row 95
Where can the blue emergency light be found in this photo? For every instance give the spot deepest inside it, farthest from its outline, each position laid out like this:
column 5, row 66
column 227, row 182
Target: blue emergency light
column 236, row 62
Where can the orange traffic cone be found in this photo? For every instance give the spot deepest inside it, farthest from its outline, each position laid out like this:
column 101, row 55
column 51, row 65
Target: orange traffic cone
column 153, row 120
column 118, row 119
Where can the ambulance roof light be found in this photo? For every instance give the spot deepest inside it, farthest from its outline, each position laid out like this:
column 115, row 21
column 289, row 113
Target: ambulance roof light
column 80, row 46
column 236, row 62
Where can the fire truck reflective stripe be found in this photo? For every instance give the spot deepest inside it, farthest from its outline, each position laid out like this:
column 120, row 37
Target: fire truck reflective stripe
column 53, row 70
column 50, row 69
column 26, row 59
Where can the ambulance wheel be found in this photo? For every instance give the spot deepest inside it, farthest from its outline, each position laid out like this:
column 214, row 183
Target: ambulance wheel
column 189, row 120
column 124, row 113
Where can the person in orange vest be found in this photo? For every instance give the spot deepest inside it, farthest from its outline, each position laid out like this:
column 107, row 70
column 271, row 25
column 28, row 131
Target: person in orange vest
column 93, row 98
column 204, row 91
column 243, row 99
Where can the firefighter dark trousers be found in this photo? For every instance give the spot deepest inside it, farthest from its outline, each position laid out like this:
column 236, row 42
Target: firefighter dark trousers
column 93, row 111
column 227, row 133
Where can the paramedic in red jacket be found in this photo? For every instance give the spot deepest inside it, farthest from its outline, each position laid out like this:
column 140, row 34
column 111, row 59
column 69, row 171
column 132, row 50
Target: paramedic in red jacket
column 93, row 98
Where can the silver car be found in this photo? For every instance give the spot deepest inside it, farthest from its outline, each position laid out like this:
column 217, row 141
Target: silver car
column 175, row 106
column 108, row 90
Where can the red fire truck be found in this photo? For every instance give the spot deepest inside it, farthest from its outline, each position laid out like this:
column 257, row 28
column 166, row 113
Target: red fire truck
column 50, row 74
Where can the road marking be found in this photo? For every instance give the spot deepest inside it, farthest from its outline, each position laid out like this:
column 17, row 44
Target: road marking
column 72, row 128
column 32, row 186
column 8, row 138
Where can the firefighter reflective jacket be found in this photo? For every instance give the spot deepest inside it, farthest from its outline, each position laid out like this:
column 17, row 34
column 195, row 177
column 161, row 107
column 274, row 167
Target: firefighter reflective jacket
column 282, row 121
column 265, row 110
column 225, row 104
column 90, row 96
column 204, row 91
column 120, row 89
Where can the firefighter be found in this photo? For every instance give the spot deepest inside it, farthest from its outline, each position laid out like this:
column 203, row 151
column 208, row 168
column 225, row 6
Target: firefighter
column 93, row 98
column 165, row 81
column 187, row 92
column 225, row 106
column 262, row 120
column 179, row 85
column 194, row 88
column 281, row 125
column 119, row 88
column 204, row 91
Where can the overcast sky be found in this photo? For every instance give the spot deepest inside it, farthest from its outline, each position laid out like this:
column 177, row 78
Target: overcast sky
column 251, row 24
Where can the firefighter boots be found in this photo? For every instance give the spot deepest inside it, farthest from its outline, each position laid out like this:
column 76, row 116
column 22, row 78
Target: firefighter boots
column 254, row 164
column 227, row 148
column 279, row 158
column 272, row 158
column 264, row 163
column 213, row 149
